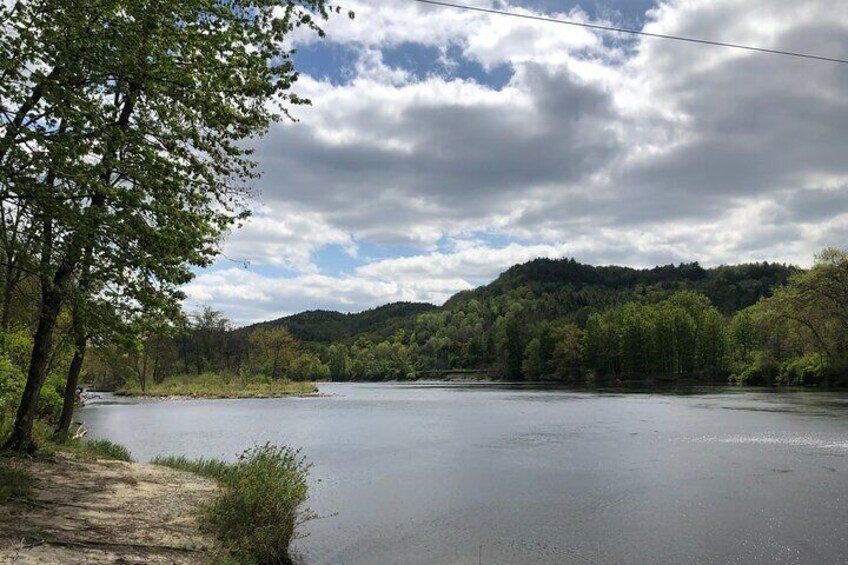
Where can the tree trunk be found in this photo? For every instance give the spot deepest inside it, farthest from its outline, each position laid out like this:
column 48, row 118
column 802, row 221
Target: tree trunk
column 71, row 386
column 8, row 290
column 21, row 438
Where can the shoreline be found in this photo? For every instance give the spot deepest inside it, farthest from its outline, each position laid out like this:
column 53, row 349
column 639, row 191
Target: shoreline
column 222, row 396
column 84, row 510
column 189, row 390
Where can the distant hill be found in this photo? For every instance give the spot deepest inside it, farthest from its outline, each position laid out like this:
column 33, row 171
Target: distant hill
column 559, row 289
column 730, row 288
column 325, row 326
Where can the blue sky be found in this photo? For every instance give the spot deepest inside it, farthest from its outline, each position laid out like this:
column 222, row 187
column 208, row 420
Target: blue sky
column 444, row 146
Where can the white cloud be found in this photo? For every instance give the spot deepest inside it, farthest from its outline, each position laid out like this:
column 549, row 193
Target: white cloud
column 656, row 152
column 433, row 277
column 285, row 238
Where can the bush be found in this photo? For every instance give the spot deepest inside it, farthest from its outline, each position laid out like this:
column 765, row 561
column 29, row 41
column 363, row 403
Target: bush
column 12, row 382
column 51, row 398
column 261, row 504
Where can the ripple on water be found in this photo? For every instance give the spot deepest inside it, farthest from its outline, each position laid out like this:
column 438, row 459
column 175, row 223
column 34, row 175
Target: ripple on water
column 828, row 444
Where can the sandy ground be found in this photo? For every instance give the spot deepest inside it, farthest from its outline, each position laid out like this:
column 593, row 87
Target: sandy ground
column 85, row 511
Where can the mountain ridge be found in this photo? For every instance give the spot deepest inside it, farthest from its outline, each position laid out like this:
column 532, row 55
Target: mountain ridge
column 575, row 285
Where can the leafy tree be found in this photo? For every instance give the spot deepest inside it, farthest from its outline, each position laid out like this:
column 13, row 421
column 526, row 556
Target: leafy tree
column 567, row 359
column 276, row 350
column 121, row 137
column 338, row 362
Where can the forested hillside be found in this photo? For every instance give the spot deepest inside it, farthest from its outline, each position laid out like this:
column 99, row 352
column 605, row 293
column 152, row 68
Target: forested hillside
column 324, row 326
column 543, row 320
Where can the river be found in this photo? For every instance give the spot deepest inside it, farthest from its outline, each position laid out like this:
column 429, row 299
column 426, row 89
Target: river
column 470, row 474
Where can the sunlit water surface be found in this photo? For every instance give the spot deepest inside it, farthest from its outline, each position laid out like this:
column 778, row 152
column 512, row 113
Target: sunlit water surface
column 469, row 474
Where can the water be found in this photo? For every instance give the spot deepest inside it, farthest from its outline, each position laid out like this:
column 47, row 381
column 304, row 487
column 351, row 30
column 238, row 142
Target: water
column 460, row 474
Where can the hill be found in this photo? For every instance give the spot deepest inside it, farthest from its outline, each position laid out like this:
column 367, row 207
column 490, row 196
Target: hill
column 575, row 285
column 325, row 326
column 552, row 319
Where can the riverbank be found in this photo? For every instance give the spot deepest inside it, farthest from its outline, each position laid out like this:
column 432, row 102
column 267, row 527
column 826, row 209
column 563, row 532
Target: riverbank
column 81, row 510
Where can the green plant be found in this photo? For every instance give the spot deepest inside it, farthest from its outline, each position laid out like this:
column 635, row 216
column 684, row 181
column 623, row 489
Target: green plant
column 760, row 371
column 214, row 468
column 12, row 382
column 261, row 504
column 105, row 449
column 804, row 370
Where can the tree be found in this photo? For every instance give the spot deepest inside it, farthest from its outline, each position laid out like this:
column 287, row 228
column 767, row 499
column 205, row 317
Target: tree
column 338, row 362
column 276, row 350
column 567, row 354
column 122, row 139
column 815, row 302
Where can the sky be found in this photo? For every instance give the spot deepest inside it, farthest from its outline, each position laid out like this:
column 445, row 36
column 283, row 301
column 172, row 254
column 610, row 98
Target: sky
column 443, row 146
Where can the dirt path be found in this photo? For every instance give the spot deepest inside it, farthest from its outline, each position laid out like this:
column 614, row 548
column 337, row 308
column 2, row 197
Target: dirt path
column 105, row 512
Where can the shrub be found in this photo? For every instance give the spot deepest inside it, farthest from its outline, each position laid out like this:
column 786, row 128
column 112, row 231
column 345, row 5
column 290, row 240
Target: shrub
column 261, row 504
column 12, row 382
column 51, row 398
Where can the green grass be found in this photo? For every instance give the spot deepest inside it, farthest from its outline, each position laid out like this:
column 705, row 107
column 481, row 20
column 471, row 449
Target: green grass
column 105, row 449
column 261, row 503
column 15, row 482
column 214, row 385
column 213, row 468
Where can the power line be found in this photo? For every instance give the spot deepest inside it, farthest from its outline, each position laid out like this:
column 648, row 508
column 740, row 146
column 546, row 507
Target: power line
column 633, row 31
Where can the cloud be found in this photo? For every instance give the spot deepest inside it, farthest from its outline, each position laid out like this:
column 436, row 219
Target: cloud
column 285, row 237
column 613, row 150
column 434, row 277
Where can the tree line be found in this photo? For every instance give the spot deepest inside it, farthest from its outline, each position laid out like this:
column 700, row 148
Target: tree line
column 559, row 320
column 531, row 325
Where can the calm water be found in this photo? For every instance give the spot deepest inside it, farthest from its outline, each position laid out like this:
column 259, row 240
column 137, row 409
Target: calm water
column 486, row 474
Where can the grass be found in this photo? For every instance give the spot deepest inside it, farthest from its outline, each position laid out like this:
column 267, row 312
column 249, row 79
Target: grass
column 260, row 505
column 105, row 449
column 214, row 385
column 48, row 443
column 15, row 482
column 213, row 468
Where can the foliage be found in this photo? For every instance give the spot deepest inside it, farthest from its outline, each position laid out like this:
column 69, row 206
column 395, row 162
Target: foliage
column 275, row 350
column 559, row 319
column 261, row 504
column 761, row 370
column 798, row 336
column 806, row 369
column 11, row 386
